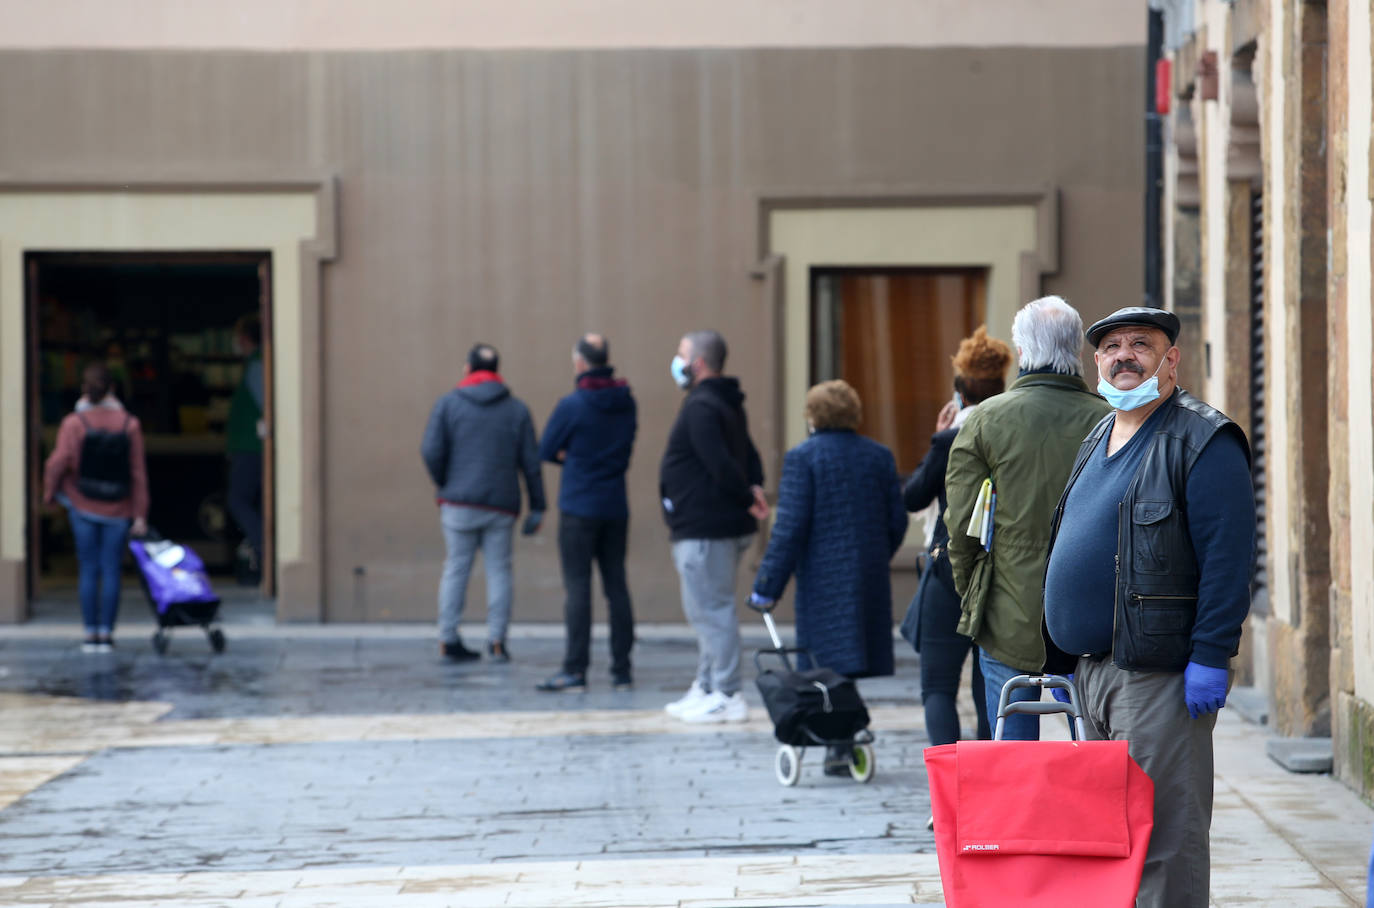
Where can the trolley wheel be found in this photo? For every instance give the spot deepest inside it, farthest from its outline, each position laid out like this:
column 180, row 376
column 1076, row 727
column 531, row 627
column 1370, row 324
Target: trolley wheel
column 217, row 640
column 861, row 764
column 160, row 642
column 787, row 764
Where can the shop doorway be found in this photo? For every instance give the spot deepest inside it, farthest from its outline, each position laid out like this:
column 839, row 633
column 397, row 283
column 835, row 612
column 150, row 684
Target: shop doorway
column 890, row 332
column 165, row 324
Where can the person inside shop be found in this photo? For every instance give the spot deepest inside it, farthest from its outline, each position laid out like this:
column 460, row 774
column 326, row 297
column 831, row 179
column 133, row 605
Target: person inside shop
column 245, row 430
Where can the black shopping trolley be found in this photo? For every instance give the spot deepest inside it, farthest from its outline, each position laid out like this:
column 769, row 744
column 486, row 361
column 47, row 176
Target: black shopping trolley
column 815, row 707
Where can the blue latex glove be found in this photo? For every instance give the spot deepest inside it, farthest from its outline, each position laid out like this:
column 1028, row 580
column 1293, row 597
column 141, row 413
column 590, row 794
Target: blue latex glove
column 1204, row 689
column 756, row 599
column 1059, row 693
column 532, row 523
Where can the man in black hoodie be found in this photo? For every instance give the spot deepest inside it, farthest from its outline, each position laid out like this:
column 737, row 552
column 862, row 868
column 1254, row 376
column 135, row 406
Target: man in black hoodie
column 711, row 483
column 479, row 441
column 591, row 434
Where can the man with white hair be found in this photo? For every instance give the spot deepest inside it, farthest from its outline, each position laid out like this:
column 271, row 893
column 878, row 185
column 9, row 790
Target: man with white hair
column 1024, row 441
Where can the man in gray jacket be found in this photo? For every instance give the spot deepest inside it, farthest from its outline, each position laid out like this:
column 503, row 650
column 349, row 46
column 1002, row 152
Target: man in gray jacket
column 479, row 440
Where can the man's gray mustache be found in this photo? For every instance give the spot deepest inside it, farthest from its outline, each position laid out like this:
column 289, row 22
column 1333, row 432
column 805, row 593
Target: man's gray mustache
column 1127, row 365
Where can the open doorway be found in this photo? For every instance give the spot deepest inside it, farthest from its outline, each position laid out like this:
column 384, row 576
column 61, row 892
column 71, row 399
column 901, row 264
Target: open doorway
column 890, row 333
column 166, row 324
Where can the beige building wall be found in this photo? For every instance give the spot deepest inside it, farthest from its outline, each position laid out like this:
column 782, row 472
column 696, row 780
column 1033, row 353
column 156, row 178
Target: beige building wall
column 418, row 24
column 523, row 197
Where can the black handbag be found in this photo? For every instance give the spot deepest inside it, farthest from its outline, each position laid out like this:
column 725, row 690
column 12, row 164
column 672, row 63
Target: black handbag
column 910, row 628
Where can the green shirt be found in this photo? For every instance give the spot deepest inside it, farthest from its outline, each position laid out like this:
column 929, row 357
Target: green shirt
column 245, row 410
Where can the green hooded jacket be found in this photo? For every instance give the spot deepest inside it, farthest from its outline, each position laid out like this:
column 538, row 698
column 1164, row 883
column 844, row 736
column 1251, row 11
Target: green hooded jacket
column 1025, row 440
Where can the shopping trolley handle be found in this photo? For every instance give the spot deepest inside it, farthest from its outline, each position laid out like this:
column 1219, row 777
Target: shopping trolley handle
column 1071, row 710
column 763, row 607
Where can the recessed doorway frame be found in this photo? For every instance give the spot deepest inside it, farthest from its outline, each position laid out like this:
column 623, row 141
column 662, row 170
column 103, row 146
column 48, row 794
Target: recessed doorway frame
column 294, row 216
column 35, row 261
column 1011, row 231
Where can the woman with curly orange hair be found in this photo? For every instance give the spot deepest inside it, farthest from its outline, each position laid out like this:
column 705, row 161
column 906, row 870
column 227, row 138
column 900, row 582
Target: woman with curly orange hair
column 980, row 369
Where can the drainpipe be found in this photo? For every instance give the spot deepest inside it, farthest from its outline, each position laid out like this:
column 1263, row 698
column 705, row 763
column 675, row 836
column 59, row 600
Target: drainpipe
column 1154, row 167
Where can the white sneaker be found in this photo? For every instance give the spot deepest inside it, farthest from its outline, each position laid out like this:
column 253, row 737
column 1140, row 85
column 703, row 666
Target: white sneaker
column 695, row 694
column 717, row 707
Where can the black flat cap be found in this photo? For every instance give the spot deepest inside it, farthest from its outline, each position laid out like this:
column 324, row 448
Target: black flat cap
column 1135, row 315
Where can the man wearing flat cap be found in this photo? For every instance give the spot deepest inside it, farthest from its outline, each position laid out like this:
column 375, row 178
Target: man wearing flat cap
column 1148, row 583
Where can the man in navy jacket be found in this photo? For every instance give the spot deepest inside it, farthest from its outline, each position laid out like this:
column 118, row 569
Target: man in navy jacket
column 591, row 434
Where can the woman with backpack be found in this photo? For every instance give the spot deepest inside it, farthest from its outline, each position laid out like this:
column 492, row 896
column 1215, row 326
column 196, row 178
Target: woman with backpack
column 97, row 472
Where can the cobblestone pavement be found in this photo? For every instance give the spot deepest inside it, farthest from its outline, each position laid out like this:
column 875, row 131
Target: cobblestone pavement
column 352, row 766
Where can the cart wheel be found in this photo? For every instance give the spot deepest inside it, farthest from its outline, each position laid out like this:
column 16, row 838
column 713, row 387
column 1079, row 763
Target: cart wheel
column 217, row 640
column 861, row 764
column 787, row 764
column 160, row 642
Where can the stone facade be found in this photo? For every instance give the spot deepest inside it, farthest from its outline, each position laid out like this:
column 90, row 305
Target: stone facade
column 1291, row 65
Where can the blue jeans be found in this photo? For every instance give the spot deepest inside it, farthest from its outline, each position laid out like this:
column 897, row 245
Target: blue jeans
column 465, row 531
column 99, row 556
column 996, row 675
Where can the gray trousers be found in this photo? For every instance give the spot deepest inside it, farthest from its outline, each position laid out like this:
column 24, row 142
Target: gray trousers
column 706, row 569
column 1147, row 710
column 465, row 531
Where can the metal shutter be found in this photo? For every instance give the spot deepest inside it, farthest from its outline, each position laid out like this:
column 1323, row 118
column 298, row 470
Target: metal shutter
column 1258, row 429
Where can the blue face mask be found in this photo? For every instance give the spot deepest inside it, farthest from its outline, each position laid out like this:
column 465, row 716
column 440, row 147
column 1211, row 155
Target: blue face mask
column 682, row 372
column 1147, row 392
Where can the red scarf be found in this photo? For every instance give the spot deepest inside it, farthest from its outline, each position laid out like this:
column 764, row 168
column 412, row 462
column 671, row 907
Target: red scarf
column 480, row 378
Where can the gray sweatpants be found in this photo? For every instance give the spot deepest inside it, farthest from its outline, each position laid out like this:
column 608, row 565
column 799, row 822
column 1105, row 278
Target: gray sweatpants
column 706, row 569
column 1147, row 710
column 465, row 531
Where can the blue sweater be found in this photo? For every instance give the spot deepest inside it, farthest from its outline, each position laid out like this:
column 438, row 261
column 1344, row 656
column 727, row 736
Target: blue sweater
column 592, row 433
column 840, row 520
column 1080, row 580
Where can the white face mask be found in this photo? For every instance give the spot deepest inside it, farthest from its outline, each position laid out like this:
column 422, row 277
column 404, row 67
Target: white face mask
column 682, row 372
column 1143, row 394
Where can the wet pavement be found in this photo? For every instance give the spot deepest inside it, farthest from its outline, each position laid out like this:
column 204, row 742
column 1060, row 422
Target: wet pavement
column 353, row 766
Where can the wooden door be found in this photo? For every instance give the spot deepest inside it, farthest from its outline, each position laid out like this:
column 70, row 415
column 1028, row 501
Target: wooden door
column 890, row 333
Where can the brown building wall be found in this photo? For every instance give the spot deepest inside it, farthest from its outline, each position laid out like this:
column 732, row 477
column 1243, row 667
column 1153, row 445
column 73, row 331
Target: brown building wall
column 521, row 197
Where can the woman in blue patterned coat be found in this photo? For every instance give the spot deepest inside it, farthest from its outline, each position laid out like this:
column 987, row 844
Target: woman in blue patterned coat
column 840, row 519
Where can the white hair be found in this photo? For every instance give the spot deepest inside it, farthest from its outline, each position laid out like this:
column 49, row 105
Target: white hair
column 1048, row 334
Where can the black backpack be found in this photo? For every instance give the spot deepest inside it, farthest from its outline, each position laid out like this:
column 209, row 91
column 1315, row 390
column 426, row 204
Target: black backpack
column 104, row 473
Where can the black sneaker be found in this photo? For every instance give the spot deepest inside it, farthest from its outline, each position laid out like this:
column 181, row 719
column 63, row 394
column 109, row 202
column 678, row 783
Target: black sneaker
column 91, row 644
column 622, row 681
column 564, row 682
column 497, row 652
column 457, row 652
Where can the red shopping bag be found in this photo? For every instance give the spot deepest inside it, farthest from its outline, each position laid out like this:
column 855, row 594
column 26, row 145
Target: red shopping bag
column 1039, row 823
